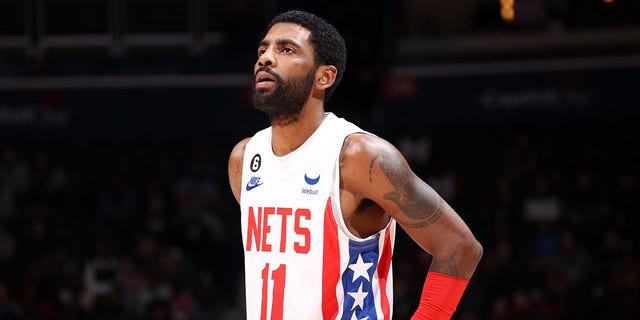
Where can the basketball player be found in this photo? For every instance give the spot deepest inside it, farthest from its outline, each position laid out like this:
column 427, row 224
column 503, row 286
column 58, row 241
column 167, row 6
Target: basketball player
column 320, row 197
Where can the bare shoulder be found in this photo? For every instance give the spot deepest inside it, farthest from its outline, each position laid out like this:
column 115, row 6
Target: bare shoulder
column 235, row 167
column 366, row 160
column 359, row 148
column 238, row 150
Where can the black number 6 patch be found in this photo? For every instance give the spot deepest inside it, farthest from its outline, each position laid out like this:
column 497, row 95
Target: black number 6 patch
column 256, row 161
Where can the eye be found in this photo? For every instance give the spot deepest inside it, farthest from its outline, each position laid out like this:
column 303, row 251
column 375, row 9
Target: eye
column 261, row 51
column 287, row 50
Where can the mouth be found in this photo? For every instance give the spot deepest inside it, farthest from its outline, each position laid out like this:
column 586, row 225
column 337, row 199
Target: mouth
column 264, row 77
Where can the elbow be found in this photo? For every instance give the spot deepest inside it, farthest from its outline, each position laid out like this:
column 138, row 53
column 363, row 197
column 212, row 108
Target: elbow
column 458, row 256
column 471, row 250
column 476, row 251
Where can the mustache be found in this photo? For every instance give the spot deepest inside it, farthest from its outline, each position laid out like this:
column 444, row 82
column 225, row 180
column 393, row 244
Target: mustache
column 270, row 71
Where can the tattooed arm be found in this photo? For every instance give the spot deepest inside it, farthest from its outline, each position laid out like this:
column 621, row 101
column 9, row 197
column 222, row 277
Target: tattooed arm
column 372, row 169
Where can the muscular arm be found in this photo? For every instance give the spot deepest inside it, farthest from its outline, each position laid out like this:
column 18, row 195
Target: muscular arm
column 235, row 168
column 372, row 168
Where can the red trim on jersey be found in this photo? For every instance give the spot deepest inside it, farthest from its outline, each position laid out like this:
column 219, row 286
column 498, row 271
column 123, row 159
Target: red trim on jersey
column 330, row 264
column 384, row 265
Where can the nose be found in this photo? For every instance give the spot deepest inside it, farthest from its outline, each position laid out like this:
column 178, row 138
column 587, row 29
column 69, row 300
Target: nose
column 266, row 58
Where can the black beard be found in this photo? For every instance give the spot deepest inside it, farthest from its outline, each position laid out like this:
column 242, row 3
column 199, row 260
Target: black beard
column 284, row 104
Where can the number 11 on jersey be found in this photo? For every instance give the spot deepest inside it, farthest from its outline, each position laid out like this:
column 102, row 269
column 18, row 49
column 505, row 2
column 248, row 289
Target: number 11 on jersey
column 277, row 296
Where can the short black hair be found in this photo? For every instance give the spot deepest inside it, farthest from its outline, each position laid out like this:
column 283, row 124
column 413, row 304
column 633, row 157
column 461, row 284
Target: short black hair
column 328, row 43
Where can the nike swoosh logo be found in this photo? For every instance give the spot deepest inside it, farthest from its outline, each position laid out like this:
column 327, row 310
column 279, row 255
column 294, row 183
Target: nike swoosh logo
column 311, row 181
column 253, row 183
column 252, row 186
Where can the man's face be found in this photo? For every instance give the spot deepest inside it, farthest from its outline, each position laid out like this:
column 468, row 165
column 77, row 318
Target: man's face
column 284, row 72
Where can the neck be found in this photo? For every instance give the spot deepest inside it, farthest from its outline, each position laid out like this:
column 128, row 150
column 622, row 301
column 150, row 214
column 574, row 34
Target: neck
column 289, row 137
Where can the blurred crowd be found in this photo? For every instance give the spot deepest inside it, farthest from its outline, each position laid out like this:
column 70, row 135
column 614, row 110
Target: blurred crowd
column 147, row 228
column 556, row 209
column 116, row 230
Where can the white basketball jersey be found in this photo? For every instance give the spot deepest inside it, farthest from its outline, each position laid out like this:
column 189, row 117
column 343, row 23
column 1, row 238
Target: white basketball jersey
column 301, row 262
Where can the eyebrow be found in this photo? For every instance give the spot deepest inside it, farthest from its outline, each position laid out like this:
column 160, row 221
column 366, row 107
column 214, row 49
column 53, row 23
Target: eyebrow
column 280, row 42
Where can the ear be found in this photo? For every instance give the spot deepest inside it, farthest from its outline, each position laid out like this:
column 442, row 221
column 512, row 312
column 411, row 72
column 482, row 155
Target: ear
column 325, row 76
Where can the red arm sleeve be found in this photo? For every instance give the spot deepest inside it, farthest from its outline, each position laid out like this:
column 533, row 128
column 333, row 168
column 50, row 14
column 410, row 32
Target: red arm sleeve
column 440, row 296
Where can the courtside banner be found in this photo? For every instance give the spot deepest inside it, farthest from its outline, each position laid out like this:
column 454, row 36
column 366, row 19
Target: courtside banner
column 485, row 96
column 125, row 112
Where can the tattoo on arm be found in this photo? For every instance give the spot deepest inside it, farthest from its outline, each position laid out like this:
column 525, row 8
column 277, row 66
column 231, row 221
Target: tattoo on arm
column 446, row 265
column 421, row 207
column 371, row 166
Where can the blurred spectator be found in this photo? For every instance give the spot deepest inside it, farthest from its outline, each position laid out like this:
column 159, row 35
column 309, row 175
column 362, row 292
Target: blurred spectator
column 585, row 207
column 48, row 179
column 14, row 181
column 15, row 171
column 155, row 221
column 100, row 271
column 35, row 241
column 154, row 297
column 520, row 159
column 102, row 297
column 541, row 205
column 573, row 259
column 8, row 308
column 183, row 305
